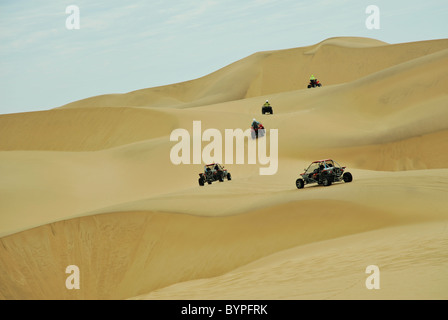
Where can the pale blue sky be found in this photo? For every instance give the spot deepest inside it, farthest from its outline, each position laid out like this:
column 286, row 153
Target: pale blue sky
column 129, row 45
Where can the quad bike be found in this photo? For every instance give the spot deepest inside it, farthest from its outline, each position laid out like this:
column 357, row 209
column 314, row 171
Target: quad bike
column 266, row 109
column 314, row 83
column 213, row 172
column 258, row 131
column 323, row 172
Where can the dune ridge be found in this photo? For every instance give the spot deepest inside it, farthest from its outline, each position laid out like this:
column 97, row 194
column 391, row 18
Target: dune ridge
column 272, row 72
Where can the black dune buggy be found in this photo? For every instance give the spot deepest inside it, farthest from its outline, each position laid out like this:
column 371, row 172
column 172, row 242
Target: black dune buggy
column 323, row 172
column 213, row 172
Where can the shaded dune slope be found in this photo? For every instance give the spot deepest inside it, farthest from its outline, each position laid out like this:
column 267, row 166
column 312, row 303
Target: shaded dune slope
column 122, row 255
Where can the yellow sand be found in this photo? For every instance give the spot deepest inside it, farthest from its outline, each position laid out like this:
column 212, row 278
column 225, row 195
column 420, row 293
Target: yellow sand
column 91, row 184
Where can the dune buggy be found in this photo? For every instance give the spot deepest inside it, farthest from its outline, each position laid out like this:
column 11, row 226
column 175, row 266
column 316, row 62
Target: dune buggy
column 323, row 172
column 213, row 172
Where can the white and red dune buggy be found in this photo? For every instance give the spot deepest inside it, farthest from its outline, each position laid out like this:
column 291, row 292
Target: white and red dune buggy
column 323, row 172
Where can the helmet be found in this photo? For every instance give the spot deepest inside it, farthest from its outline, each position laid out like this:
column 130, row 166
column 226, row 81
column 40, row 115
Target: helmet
column 267, row 101
column 254, row 119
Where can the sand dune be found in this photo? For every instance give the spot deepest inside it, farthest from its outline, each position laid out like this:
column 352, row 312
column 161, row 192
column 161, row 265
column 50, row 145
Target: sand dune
column 82, row 129
column 91, row 184
column 125, row 254
column 335, row 60
column 335, row 269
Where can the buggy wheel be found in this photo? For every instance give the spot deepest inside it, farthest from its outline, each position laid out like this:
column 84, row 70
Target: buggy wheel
column 347, row 177
column 326, row 182
column 300, row 183
column 229, row 177
column 209, row 181
column 201, row 182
